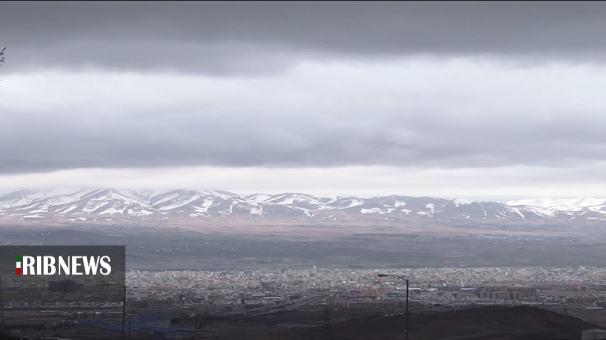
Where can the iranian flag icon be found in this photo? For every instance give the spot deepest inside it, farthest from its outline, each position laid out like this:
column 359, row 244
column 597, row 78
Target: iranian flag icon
column 18, row 265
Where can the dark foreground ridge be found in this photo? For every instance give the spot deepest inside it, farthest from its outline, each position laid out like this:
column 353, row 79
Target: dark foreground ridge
column 483, row 323
column 487, row 323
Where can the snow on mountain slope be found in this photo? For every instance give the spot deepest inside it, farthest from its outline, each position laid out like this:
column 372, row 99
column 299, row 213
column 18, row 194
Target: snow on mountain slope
column 562, row 204
column 96, row 203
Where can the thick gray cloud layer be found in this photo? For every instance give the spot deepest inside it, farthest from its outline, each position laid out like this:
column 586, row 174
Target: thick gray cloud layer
column 113, row 85
column 243, row 38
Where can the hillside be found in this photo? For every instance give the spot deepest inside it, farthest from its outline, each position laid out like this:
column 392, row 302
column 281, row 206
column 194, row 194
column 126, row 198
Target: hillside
column 486, row 323
column 78, row 205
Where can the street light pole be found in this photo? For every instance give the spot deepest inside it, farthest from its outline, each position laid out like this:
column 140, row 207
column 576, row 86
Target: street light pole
column 407, row 298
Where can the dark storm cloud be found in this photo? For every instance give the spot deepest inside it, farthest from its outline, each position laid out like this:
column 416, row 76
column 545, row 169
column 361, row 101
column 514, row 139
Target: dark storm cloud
column 240, row 38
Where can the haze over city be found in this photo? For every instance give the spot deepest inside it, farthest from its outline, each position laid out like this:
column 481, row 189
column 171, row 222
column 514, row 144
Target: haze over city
column 466, row 100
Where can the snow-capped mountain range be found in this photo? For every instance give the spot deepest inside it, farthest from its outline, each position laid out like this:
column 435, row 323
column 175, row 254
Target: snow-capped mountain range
column 95, row 204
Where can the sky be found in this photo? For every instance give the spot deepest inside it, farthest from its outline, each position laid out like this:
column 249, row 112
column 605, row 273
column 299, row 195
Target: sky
column 468, row 100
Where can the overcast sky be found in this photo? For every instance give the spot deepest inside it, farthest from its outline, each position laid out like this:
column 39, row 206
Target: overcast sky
column 458, row 100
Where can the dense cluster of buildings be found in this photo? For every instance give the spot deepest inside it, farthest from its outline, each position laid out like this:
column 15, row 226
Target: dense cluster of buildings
column 240, row 291
column 201, row 294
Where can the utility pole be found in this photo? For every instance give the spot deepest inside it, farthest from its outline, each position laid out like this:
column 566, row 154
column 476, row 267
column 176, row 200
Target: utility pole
column 124, row 311
column 407, row 299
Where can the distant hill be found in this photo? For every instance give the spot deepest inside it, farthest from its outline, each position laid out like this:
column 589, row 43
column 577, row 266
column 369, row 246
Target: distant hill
column 110, row 204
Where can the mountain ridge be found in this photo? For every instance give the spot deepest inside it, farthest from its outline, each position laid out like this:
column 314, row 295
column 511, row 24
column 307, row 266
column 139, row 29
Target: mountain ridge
column 85, row 204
